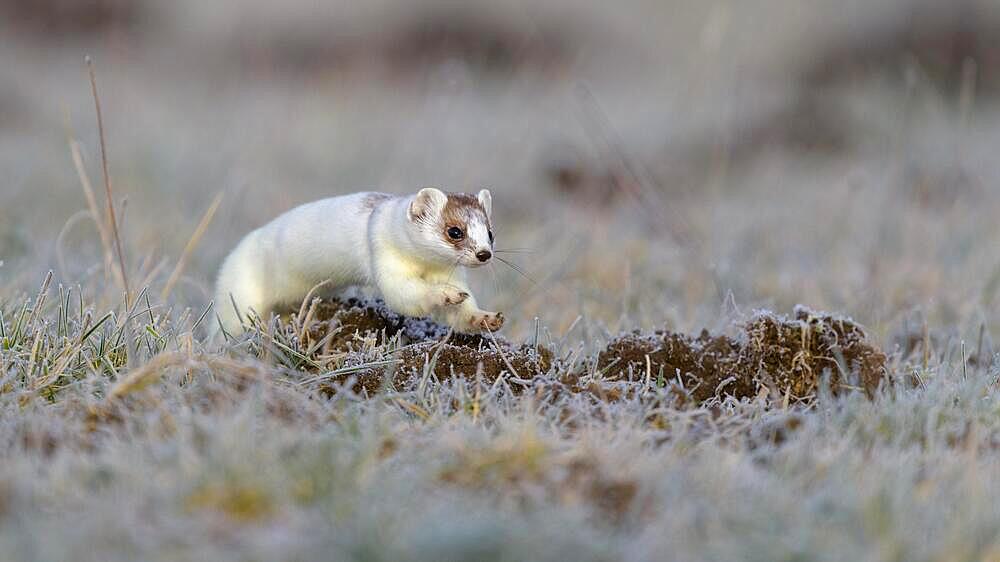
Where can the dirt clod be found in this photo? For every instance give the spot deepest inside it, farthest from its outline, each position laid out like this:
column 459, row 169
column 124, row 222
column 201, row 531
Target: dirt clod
column 448, row 359
column 789, row 359
column 784, row 356
column 794, row 355
column 349, row 319
column 700, row 367
column 422, row 342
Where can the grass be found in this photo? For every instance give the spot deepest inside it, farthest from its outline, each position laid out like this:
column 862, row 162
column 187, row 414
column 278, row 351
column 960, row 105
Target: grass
column 126, row 435
column 189, row 453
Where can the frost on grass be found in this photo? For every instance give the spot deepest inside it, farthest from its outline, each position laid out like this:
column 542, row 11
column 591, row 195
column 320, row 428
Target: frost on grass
column 786, row 357
column 126, row 439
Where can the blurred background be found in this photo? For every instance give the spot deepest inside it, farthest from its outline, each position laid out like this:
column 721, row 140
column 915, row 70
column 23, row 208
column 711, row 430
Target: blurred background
column 652, row 162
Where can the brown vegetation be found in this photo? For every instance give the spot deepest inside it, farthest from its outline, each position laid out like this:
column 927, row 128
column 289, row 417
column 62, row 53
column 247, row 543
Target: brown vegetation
column 788, row 358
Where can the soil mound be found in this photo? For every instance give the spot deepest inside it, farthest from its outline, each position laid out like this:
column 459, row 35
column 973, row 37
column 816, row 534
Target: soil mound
column 788, row 358
column 343, row 326
column 785, row 356
column 447, row 359
column 701, row 367
column 794, row 355
column 342, row 322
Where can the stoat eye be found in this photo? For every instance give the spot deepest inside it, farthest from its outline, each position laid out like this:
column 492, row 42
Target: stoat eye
column 455, row 233
column 491, row 235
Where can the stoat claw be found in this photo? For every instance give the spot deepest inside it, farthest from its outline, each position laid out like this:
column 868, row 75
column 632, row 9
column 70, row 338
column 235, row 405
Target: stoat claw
column 451, row 296
column 489, row 321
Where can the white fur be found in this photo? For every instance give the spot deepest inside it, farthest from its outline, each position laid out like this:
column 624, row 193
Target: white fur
column 394, row 246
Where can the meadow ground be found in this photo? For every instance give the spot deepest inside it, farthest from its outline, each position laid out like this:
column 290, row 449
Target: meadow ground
column 662, row 167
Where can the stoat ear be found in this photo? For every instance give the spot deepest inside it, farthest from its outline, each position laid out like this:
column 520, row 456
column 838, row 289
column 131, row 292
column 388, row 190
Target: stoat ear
column 429, row 201
column 486, row 200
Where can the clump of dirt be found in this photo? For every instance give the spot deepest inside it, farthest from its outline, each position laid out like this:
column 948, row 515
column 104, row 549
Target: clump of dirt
column 523, row 362
column 456, row 357
column 793, row 356
column 422, row 342
column 784, row 356
column 700, row 368
column 345, row 322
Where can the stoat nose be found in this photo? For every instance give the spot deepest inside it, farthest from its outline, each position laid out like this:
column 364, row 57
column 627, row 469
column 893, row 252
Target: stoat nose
column 483, row 255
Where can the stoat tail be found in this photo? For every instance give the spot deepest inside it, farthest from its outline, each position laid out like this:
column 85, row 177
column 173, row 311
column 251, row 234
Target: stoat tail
column 237, row 291
column 223, row 316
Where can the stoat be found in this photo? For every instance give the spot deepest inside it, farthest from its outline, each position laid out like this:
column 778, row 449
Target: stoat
column 411, row 249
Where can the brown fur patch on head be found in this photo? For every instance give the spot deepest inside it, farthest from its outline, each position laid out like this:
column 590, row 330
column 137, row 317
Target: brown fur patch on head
column 372, row 200
column 459, row 211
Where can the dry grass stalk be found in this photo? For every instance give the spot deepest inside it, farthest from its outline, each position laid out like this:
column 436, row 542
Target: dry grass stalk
column 107, row 178
column 192, row 243
column 95, row 213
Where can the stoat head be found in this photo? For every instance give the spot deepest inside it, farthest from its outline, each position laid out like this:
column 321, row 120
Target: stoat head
column 453, row 227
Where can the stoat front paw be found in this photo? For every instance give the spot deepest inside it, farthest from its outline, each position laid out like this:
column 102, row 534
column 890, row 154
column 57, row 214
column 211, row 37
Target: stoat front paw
column 488, row 321
column 451, row 296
